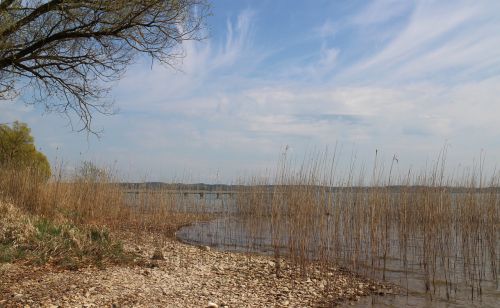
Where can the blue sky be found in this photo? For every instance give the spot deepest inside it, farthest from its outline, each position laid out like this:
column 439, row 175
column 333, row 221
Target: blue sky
column 403, row 77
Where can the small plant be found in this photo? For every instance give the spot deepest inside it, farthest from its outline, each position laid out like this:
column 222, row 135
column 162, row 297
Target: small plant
column 38, row 239
column 71, row 219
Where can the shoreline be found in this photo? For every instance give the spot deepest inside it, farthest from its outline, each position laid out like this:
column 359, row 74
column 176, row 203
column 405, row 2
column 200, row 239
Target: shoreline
column 188, row 276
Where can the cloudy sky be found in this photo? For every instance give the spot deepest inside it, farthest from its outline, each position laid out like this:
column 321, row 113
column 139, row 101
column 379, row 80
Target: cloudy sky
column 403, row 77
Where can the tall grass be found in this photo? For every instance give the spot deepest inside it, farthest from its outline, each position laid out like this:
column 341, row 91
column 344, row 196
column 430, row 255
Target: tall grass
column 92, row 200
column 439, row 226
column 442, row 227
column 80, row 215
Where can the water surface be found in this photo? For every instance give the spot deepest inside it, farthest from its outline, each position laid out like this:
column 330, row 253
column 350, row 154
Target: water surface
column 254, row 235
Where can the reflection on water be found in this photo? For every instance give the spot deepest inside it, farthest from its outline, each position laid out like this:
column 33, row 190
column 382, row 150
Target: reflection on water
column 255, row 235
column 452, row 269
column 182, row 202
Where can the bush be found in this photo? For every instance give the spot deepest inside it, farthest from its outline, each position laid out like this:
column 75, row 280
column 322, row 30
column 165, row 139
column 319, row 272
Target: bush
column 18, row 151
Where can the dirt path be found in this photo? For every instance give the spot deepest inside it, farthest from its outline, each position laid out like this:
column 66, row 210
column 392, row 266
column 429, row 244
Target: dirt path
column 187, row 277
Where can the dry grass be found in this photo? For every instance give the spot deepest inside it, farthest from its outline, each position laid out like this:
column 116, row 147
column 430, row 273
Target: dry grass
column 38, row 240
column 75, row 219
column 100, row 201
column 443, row 227
column 446, row 228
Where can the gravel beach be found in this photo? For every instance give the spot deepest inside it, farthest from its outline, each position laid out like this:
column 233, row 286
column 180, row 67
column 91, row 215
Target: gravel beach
column 181, row 276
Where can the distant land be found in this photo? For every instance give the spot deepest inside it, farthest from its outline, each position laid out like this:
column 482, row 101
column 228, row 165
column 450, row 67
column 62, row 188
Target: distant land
column 231, row 187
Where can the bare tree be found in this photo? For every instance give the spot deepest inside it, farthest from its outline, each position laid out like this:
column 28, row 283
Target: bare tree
column 65, row 52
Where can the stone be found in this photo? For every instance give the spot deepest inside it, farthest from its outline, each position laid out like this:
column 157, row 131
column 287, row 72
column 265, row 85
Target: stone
column 17, row 295
column 153, row 264
column 190, row 275
column 157, row 255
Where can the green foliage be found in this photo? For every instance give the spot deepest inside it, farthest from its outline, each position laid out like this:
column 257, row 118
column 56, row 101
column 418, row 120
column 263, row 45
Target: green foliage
column 17, row 149
column 46, row 228
column 9, row 253
column 39, row 240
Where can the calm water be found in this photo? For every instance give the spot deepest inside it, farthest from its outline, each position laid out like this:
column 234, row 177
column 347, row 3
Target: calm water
column 254, row 235
column 207, row 203
column 234, row 233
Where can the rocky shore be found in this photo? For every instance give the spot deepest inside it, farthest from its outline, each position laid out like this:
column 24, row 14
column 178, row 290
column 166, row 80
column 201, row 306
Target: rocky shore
column 167, row 273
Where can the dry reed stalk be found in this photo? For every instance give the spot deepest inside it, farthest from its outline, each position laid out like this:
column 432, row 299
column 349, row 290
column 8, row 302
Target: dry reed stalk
column 443, row 226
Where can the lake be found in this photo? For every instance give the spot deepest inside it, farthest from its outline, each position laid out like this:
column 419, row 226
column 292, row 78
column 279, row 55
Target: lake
column 455, row 277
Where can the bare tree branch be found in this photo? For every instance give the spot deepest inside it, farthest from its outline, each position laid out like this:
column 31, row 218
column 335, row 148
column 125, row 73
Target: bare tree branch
column 71, row 50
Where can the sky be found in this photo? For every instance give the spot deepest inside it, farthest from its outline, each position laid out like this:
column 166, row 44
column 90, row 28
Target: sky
column 404, row 78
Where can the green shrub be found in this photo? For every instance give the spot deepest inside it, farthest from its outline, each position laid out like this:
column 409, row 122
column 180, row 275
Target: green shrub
column 17, row 150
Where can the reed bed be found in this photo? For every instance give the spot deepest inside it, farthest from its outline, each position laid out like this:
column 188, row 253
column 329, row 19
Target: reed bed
column 443, row 229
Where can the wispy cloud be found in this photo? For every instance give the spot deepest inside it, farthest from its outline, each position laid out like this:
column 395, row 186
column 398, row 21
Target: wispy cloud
column 166, row 88
column 237, row 40
column 442, row 37
column 235, row 101
column 327, row 29
column 322, row 65
column 381, row 11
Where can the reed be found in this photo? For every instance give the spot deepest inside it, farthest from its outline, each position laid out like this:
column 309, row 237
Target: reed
column 78, row 208
column 444, row 227
column 385, row 223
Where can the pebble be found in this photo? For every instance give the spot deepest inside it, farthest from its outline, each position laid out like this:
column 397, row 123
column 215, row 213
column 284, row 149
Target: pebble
column 157, row 255
column 185, row 277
